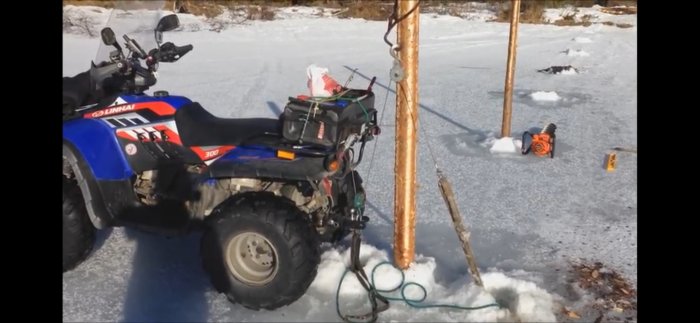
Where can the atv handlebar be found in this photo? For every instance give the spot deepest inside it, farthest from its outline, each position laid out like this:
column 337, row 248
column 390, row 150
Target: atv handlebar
column 139, row 78
column 126, row 74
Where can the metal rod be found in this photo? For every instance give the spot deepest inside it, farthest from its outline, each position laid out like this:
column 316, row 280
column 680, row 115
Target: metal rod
column 406, row 128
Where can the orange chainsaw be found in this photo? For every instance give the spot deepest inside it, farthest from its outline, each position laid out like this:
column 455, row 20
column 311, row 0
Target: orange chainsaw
column 541, row 144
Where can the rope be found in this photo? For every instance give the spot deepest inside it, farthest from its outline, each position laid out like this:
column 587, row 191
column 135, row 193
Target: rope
column 415, row 127
column 402, row 286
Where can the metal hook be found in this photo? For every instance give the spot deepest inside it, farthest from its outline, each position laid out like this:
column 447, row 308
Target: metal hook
column 397, row 72
column 393, row 51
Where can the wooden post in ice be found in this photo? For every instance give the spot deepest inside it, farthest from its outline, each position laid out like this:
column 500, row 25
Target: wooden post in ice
column 510, row 68
column 406, row 128
column 462, row 232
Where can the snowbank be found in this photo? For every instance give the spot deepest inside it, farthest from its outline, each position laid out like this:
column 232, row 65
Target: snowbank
column 518, row 299
column 576, row 52
column 506, row 145
column 545, row 96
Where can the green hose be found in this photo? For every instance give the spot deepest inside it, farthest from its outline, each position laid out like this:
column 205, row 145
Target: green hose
column 415, row 303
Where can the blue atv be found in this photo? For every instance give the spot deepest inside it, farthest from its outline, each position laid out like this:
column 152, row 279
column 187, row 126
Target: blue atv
column 265, row 192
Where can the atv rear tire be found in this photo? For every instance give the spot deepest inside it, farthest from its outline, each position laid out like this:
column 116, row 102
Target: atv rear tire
column 78, row 231
column 260, row 250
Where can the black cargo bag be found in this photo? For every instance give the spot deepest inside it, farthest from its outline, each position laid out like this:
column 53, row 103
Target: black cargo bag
column 327, row 121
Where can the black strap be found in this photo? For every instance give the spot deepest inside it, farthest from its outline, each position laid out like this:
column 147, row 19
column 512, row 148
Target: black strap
column 374, row 297
column 554, row 141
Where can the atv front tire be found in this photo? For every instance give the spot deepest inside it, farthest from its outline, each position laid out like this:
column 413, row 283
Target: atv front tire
column 78, row 231
column 260, row 250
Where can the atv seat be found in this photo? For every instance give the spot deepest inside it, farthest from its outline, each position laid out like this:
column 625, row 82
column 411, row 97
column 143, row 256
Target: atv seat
column 198, row 127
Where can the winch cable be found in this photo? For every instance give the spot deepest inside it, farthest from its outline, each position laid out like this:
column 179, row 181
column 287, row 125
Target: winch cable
column 448, row 197
column 376, row 140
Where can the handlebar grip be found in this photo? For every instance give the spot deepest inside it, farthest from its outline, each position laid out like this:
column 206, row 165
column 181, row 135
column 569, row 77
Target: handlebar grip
column 171, row 53
column 184, row 49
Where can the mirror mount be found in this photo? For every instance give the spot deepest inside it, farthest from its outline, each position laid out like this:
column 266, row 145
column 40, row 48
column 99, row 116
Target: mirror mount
column 159, row 37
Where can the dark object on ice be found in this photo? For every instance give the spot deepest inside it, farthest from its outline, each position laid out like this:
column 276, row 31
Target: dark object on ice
column 557, row 69
column 610, row 288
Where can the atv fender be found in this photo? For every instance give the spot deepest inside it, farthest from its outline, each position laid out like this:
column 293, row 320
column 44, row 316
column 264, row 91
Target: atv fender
column 99, row 216
column 112, row 202
column 99, row 148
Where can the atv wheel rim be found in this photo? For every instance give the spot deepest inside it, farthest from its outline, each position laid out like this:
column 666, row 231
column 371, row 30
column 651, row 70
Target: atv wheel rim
column 251, row 258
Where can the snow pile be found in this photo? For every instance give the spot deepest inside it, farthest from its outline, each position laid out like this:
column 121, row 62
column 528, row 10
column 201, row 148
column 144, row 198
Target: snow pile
column 192, row 23
column 84, row 20
column 88, row 20
column 298, row 12
column 545, row 96
column 576, row 52
column 518, row 299
column 506, row 145
column 568, row 71
column 553, row 15
column 528, row 302
column 474, row 11
column 583, row 14
column 479, row 15
column 470, row 14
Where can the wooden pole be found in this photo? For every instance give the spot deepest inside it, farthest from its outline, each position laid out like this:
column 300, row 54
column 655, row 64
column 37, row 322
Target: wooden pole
column 510, row 69
column 406, row 128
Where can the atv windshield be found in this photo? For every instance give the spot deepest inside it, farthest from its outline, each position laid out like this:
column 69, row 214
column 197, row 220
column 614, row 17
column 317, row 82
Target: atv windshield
column 136, row 19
